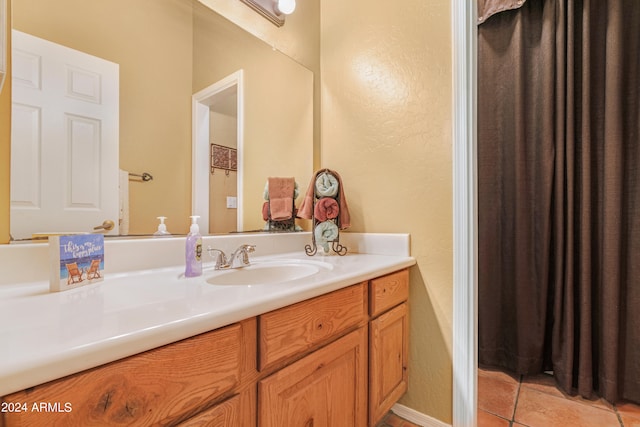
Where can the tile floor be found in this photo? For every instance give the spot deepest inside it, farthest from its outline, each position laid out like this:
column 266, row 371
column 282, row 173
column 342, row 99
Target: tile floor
column 505, row 401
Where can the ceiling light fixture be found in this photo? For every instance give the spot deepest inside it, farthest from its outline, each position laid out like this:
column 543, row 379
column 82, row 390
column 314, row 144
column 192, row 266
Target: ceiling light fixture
column 285, row 7
column 273, row 10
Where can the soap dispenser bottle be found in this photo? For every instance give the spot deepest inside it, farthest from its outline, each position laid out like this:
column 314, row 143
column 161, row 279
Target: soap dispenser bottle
column 193, row 250
column 162, row 228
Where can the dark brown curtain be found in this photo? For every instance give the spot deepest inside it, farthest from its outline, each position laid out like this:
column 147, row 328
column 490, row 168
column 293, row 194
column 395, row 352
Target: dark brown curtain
column 559, row 193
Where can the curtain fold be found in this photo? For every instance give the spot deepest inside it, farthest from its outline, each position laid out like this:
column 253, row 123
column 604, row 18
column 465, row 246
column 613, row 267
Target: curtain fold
column 488, row 8
column 559, row 194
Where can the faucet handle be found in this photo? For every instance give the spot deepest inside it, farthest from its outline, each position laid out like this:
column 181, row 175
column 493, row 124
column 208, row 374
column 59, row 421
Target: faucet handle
column 242, row 251
column 221, row 258
column 249, row 248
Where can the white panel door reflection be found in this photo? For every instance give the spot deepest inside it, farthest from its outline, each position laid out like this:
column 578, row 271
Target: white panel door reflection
column 64, row 139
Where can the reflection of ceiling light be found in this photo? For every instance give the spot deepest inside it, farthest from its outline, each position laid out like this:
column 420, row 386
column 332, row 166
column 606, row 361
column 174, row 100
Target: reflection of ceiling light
column 285, row 7
column 273, row 10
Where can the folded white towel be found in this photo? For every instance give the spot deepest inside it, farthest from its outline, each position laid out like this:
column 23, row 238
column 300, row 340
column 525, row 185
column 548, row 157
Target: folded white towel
column 326, row 185
column 326, row 232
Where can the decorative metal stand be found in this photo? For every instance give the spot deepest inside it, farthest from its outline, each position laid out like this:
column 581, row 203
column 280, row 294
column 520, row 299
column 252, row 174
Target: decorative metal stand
column 283, row 225
column 312, row 249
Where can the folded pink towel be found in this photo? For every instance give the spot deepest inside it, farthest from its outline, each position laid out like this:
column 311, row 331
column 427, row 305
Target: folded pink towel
column 281, row 191
column 326, row 208
column 281, row 208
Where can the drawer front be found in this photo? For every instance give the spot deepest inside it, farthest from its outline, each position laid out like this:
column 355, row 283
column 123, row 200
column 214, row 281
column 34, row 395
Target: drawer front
column 388, row 291
column 154, row 387
column 296, row 329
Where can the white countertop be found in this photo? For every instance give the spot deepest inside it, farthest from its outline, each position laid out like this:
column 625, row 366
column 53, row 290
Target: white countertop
column 45, row 336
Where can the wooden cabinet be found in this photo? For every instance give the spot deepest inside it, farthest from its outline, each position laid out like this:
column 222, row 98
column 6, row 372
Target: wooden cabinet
column 326, row 388
column 388, row 360
column 296, row 329
column 157, row 386
column 388, row 342
column 224, row 414
column 339, row 359
column 284, row 398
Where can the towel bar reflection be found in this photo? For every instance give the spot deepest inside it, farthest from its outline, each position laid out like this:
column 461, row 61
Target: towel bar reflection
column 144, row 176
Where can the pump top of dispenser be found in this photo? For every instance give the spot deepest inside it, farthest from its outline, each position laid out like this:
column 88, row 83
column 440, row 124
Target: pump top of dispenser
column 194, row 229
column 162, row 228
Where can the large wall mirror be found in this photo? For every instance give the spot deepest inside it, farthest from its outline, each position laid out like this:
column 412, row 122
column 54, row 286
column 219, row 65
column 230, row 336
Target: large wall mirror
column 162, row 52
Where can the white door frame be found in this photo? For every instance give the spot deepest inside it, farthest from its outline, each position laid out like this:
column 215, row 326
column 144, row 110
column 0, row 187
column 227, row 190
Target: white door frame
column 465, row 360
column 200, row 154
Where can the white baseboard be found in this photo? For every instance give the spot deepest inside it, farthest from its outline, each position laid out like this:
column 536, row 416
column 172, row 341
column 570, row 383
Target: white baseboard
column 417, row 417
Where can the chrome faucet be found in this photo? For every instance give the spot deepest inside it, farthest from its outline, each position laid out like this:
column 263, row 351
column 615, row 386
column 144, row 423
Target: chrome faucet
column 238, row 259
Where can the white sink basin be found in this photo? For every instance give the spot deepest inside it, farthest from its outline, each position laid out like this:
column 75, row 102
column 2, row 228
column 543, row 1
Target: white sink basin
column 268, row 272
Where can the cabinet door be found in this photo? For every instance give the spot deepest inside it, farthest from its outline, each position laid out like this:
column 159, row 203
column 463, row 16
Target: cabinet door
column 388, row 356
column 327, row 388
column 151, row 388
column 223, row 414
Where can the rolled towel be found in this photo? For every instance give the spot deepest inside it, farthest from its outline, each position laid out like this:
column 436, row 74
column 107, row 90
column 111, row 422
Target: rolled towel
column 326, row 208
column 326, row 232
column 326, row 185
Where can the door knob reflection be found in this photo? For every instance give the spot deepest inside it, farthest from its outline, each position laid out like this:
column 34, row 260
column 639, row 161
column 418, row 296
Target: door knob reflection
column 106, row 225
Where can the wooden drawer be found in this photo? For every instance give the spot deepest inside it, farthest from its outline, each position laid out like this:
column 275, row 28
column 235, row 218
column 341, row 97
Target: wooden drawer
column 388, row 291
column 159, row 386
column 300, row 327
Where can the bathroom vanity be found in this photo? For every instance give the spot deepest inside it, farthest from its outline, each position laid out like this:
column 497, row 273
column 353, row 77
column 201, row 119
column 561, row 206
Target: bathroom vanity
column 323, row 351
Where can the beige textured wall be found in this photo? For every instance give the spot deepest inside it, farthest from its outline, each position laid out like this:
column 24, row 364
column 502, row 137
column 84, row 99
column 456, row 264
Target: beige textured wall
column 5, row 143
column 221, row 218
column 386, row 127
column 152, row 43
